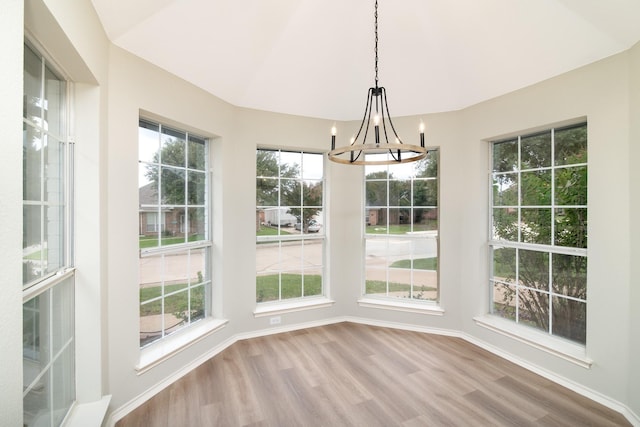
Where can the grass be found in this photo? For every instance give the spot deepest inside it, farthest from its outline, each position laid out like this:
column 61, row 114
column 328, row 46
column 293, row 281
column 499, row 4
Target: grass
column 270, row 231
column 380, row 287
column 152, row 241
column 418, row 264
column 35, row 256
column 177, row 303
column 291, row 286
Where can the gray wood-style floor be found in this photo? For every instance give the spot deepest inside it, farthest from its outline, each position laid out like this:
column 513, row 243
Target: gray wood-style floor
column 350, row 374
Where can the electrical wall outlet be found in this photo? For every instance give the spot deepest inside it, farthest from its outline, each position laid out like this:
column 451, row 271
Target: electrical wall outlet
column 276, row 320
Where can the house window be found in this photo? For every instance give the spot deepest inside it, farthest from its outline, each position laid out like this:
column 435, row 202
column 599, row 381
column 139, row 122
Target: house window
column 289, row 225
column 175, row 240
column 401, row 229
column 538, row 231
column 48, row 275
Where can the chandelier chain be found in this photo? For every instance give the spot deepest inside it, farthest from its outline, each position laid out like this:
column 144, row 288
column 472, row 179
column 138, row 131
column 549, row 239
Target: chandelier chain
column 376, row 40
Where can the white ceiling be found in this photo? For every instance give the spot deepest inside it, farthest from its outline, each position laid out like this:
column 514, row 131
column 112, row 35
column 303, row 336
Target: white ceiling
column 315, row 57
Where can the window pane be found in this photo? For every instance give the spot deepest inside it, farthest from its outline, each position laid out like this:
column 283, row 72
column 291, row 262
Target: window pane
column 571, row 228
column 173, row 148
column 290, row 164
column 536, row 151
column 425, row 192
column 197, row 153
column 54, row 113
column 425, row 219
column 535, row 188
column 32, row 144
column 33, row 252
column 571, row 145
column 291, row 192
column 175, row 308
column 197, row 188
column 197, row 224
column 313, row 164
column 399, row 221
column 533, row 309
column 505, row 224
column 400, row 193
column 32, row 87
column 312, row 193
column 505, row 189
column 533, row 271
column 503, row 301
column 175, row 229
column 505, row 156
column 376, row 266
column 376, row 193
column 266, row 192
column 571, row 186
column 570, row 319
column 536, row 226
column 148, row 142
column 172, row 188
column 570, row 275
column 267, row 163
column 504, row 264
column 197, row 303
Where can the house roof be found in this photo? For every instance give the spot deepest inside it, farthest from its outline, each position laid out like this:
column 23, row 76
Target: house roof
column 315, row 58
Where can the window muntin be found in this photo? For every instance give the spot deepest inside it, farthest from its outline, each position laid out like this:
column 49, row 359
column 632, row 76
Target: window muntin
column 174, row 231
column 401, row 230
column 539, row 231
column 289, row 224
column 48, row 277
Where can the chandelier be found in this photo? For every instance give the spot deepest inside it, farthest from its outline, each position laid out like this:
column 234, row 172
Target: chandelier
column 385, row 138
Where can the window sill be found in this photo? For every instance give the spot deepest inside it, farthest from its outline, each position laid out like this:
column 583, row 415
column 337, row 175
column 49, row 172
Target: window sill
column 269, row 309
column 164, row 349
column 572, row 352
column 88, row 414
column 426, row 307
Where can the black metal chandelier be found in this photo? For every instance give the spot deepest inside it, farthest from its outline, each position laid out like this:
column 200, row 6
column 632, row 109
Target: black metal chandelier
column 385, row 140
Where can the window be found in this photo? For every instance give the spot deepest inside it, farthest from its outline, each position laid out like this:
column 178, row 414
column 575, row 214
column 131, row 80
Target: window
column 175, row 241
column 289, row 225
column 48, row 276
column 401, row 229
column 539, row 231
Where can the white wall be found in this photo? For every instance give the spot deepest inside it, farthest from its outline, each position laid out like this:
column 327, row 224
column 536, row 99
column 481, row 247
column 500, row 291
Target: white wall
column 634, row 300
column 600, row 92
column 11, row 42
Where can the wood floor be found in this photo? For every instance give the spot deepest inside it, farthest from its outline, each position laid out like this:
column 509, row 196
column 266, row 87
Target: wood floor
column 350, row 374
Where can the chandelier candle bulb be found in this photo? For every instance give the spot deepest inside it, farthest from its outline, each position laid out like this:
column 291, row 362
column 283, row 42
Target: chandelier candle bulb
column 333, row 137
column 376, row 121
column 422, row 134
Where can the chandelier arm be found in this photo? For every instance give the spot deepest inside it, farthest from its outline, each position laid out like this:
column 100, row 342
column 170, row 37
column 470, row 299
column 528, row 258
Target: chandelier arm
column 365, row 118
column 384, row 95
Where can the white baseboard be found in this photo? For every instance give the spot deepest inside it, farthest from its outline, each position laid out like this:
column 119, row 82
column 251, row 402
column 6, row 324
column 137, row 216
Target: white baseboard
column 128, row 407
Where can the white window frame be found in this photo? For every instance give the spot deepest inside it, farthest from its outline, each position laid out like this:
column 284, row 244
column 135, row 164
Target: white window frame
column 571, row 350
column 284, row 305
column 169, row 341
column 53, row 282
column 413, row 301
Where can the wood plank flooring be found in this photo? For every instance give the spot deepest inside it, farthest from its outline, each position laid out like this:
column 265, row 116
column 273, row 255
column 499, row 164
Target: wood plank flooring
column 350, row 374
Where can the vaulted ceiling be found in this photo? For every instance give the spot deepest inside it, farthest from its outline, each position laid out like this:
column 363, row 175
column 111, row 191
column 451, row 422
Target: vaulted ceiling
column 316, row 57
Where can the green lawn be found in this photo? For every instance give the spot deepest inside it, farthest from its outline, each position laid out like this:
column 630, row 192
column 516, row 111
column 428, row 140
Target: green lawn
column 401, row 228
column 35, row 256
column 380, row 287
column 152, row 241
column 173, row 304
column 270, row 231
column 267, row 286
column 418, row 264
